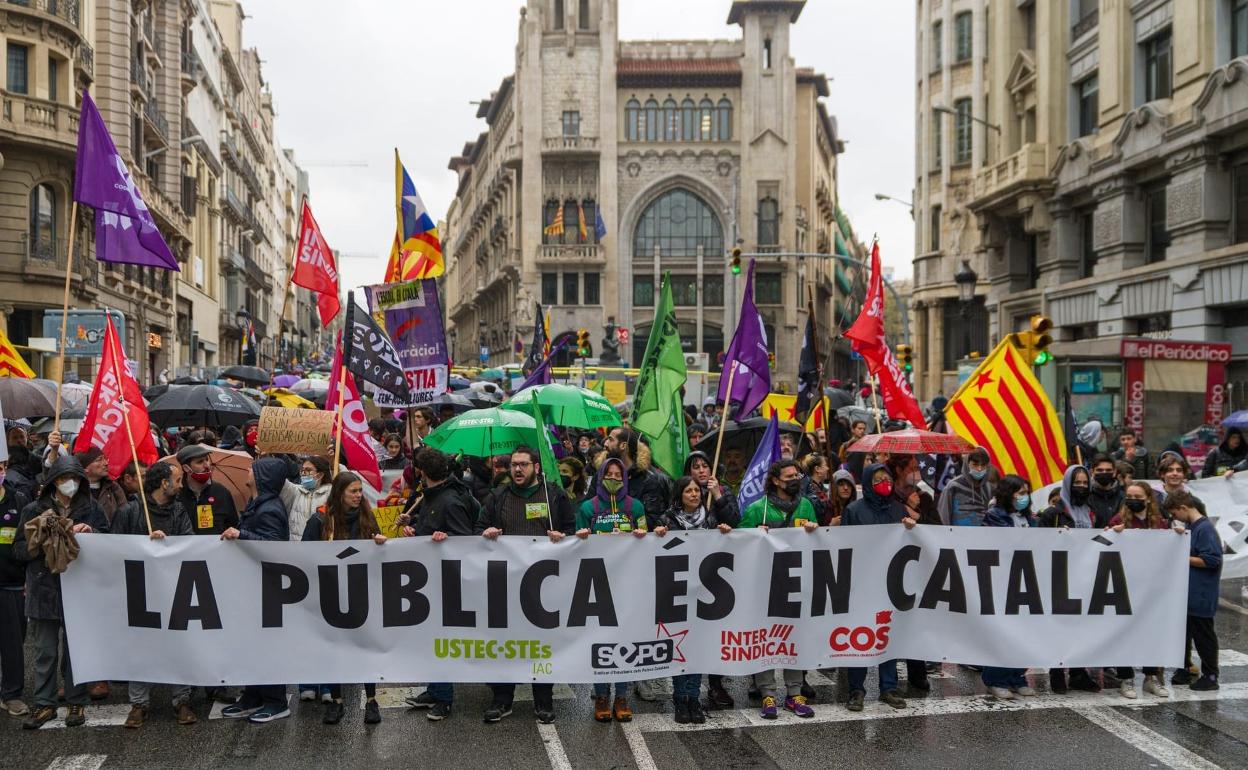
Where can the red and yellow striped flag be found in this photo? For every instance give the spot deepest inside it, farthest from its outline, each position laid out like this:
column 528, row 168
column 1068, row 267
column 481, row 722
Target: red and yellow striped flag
column 1002, row 408
column 11, row 362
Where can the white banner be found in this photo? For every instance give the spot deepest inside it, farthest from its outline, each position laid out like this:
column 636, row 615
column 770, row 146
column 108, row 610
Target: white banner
column 206, row 612
column 425, row 383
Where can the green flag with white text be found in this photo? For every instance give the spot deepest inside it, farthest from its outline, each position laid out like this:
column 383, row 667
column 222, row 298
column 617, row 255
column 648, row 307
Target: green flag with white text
column 657, row 409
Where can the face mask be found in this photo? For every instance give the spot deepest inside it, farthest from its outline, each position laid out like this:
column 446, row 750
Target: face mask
column 201, row 477
column 1135, row 506
column 1022, row 502
column 791, row 488
column 307, row 482
column 883, row 488
column 612, row 485
column 977, row 475
column 567, row 481
column 1, row 477
column 1105, row 479
column 68, row 487
column 1078, row 495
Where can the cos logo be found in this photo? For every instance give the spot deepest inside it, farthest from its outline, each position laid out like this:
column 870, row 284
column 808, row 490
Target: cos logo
column 863, row 638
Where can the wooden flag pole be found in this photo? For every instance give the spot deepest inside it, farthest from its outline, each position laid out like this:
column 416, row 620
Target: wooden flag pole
column 69, row 262
column 814, row 342
column 134, row 451
column 875, row 403
column 290, row 279
column 342, row 392
column 723, row 419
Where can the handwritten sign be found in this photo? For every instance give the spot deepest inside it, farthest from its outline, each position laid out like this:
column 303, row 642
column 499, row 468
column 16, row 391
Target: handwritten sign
column 388, row 520
column 294, row 431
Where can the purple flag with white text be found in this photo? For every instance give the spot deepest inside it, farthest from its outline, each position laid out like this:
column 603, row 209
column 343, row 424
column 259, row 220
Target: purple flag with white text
column 124, row 228
column 745, row 362
column 754, row 482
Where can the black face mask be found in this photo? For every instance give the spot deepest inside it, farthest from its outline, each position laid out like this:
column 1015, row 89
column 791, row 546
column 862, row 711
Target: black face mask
column 1105, row 479
column 567, row 481
column 1078, row 495
column 792, row 487
column 1135, row 506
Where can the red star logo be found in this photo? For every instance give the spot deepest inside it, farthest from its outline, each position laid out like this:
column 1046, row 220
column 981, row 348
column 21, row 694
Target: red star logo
column 793, row 414
column 982, row 380
column 679, row 636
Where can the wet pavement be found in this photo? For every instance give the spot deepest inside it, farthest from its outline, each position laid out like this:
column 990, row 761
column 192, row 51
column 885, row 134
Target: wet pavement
column 956, row 726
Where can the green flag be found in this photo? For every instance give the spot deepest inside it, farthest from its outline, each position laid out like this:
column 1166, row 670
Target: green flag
column 550, row 466
column 600, row 387
column 657, row 411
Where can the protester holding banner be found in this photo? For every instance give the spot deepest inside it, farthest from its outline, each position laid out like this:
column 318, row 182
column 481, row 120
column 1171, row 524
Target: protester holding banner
column 1071, row 511
column 207, row 502
column 648, row 483
column 1105, row 493
column 45, row 541
column 12, row 599
column 304, row 499
column 723, row 506
column 1226, row 456
column 1140, row 511
column 1011, row 507
column 967, row 496
column 524, row 505
column 1204, row 574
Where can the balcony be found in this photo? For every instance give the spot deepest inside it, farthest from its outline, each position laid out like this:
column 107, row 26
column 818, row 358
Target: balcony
column 30, row 120
column 64, row 11
column 167, row 213
column 236, row 205
column 1085, row 25
column 138, row 79
column 44, row 262
column 84, row 60
column 511, row 156
column 155, row 119
column 1028, row 165
column 231, row 259
column 570, row 253
column 570, row 145
column 255, row 273
column 192, row 70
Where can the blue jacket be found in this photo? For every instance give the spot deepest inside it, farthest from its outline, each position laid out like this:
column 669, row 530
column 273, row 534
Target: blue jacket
column 265, row 517
column 996, row 516
column 872, row 508
column 1202, row 583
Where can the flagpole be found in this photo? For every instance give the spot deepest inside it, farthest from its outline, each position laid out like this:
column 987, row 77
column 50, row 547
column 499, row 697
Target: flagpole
column 814, row 350
column 723, row 420
column 875, row 402
column 134, row 451
column 342, row 387
column 69, row 261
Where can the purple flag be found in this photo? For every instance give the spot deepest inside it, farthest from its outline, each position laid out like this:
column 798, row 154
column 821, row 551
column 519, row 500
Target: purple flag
column 124, row 228
column 754, row 482
column 411, row 315
column 542, row 374
column 748, row 355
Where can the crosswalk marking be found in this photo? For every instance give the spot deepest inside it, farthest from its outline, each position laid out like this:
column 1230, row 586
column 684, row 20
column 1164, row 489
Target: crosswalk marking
column 78, row 762
column 1146, row 740
column 113, row 715
column 554, row 747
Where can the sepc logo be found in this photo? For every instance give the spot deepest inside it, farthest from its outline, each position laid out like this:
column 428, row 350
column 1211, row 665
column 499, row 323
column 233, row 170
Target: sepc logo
column 861, row 640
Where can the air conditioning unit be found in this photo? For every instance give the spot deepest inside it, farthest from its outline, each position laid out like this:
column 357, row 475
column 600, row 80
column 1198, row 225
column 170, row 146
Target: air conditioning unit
column 697, row 362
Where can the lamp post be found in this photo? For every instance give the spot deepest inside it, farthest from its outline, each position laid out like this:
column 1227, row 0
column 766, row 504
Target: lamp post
column 966, row 278
column 241, row 318
column 949, row 111
column 895, row 199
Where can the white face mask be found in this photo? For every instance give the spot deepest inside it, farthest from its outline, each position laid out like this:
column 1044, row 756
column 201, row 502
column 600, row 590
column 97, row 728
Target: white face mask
column 68, row 487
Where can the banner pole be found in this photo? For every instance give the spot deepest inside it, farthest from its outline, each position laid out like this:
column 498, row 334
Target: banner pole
column 281, row 319
column 125, row 410
column 723, row 420
column 342, row 388
column 875, row 402
column 69, row 262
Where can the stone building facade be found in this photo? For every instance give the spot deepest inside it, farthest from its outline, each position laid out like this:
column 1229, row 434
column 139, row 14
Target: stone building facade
column 682, row 149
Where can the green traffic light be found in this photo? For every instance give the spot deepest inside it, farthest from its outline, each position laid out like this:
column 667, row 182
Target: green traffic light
column 909, row 367
column 1043, row 357
column 736, row 268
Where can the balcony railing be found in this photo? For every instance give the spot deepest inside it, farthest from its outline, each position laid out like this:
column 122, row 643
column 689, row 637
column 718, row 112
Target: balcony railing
column 85, row 59
column 1028, row 164
column 570, row 144
column 1085, row 25
column 232, row 258
column 66, row 10
column 44, row 254
column 31, row 118
column 192, row 70
column 241, row 209
column 138, row 74
column 569, row 252
column 255, row 272
column 156, row 117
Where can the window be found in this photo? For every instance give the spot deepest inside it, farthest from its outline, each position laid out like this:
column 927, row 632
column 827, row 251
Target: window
column 712, row 291
column 558, row 15
column 591, row 289
column 1156, row 237
column 768, row 221
column 53, row 74
column 767, row 290
column 685, row 290
column 550, row 289
column 677, row 223
column 934, row 234
column 571, row 220
column 962, row 36
column 590, row 206
column 643, row 291
column 767, row 54
column 962, row 131
column 571, row 123
column 671, row 121
column 1239, row 28
column 938, row 140
column 688, row 118
column 632, row 116
column 1087, row 251
column 17, row 82
column 966, row 330
column 652, row 120
column 724, row 118
column 571, row 288
column 938, row 45
column 1157, row 67
column 706, row 119
column 43, row 221
column 1087, row 95
column 1239, row 194
column 582, row 14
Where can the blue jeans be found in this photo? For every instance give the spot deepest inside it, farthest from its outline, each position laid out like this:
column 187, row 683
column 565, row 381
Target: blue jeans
column 888, row 677
column 442, row 692
column 603, row 689
column 686, row 685
column 1004, row 677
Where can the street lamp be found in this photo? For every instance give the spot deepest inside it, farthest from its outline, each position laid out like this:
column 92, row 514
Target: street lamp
column 966, row 279
column 240, row 319
column 906, row 203
column 947, row 111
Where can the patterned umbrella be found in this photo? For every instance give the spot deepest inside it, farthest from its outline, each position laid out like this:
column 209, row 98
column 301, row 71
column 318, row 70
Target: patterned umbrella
column 913, row 441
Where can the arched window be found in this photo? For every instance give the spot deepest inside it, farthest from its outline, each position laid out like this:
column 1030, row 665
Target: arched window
column 591, row 218
column 652, row 120
column 571, row 221
column 678, row 222
column 548, row 218
column 43, row 222
column 671, row 121
column 632, row 112
column 724, row 119
column 768, row 222
column 706, row 119
column 689, row 119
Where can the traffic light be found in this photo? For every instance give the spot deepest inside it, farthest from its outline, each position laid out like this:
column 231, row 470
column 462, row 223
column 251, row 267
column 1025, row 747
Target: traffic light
column 583, row 348
column 736, row 260
column 905, row 355
column 1041, row 339
column 771, row 360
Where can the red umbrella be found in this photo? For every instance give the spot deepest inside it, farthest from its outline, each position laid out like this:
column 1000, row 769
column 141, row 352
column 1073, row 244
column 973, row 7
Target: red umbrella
column 912, row 441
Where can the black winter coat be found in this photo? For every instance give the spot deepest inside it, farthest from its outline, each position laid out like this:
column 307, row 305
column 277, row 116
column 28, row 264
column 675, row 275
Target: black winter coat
column 169, row 518
column 12, row 569
column 448, row 507
column 265, row 517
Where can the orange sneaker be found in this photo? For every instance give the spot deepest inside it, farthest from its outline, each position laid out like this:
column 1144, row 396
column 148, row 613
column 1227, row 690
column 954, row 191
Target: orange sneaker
column 621, row 710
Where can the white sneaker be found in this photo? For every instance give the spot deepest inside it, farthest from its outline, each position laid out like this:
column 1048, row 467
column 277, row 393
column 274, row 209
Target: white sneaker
column 648, row 690
column 1000, row 693
column 327, row 697
column 1153, row 685
column 307, row 695
column 1025, row 691
column 1127, row 690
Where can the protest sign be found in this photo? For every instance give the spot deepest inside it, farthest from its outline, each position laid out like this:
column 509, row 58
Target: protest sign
column 411, row 313
column 619, row 608
column 388, row 519
column 294, row 431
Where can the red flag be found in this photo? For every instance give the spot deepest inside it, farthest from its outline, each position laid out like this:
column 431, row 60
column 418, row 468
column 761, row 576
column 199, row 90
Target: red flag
column 357, row 453
column 867, row 336
column 315, row 269
column 116, row 397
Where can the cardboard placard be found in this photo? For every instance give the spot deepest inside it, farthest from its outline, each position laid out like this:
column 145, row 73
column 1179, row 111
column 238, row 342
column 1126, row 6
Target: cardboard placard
column 295, row 431
column 388, row 520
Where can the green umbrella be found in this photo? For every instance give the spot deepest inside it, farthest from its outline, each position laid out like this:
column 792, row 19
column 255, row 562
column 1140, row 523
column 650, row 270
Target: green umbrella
column 484, row 433
column 567, row 405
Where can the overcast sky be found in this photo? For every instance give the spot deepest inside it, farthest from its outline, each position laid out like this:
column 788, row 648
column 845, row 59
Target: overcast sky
column 351, row 82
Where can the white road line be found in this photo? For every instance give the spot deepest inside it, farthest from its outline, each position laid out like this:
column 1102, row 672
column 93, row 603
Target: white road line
column 396, row 697
column 97, row 716
column 554, row 747
column 1146, row 740
column 78, row 762
column 637, row 744
column 1227, row 604
column 961, row 704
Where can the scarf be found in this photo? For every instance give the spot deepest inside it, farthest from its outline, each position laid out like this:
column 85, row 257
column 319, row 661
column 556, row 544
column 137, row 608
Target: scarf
column 691, row 520
column 785, row 507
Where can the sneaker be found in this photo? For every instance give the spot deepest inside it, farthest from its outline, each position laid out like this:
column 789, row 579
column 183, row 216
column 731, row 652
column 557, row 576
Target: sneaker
column 1182, row 676
column 372, row 712
column 798, row 706
column 1001, row 693
column 1154, row 685
column 718, row 698
column 185, row 714
column 769, row 710
column 544, row 713
column 327, row 697
column 439, row 711
column 893, row 699
column 1024, row 691
column 602, row 708
column 648, row 690
column 1127, row 690
column 422, row 701
column 39, row 717
column 76, row 716
column 918, row 688
column 808, row 692
column 696, row 715
column 1057, row 682
column 1205, row 682
column 497, row 712
column 238, row 711
column 856, row 700
column 16, row 707
column 682, row 710
column 136, row 717
column 1080, row 680
column 333, row 713
column 269, row 714
column 621, row 710
column 307, row 696
column 98, row 691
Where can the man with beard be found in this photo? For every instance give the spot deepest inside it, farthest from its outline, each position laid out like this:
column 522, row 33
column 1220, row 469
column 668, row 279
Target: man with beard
column 645, row 482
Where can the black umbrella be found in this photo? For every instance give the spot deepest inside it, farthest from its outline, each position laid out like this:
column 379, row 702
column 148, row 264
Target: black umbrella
column 208, row 406
column 21, row 397
column 457, row 401
column 184, row 380
column 838, row 398
column 252, row 375
column 744, row 435
column 156, row 391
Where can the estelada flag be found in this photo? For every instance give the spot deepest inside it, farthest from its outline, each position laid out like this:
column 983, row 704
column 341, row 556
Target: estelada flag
column 11, row 362
column 315, row 269
column 1002, row 408
column 115, row 398
column 785, row 407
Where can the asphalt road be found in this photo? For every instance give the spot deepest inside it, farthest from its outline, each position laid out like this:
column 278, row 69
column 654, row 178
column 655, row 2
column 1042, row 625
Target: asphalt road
column 957, row 726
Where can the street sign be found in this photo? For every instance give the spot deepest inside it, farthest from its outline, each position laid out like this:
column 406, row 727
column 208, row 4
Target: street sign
column 621, row 335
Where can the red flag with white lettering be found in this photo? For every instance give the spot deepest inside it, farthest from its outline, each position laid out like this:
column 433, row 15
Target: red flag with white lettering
column 315, row 268
column 356, row 452
column 116, row 397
